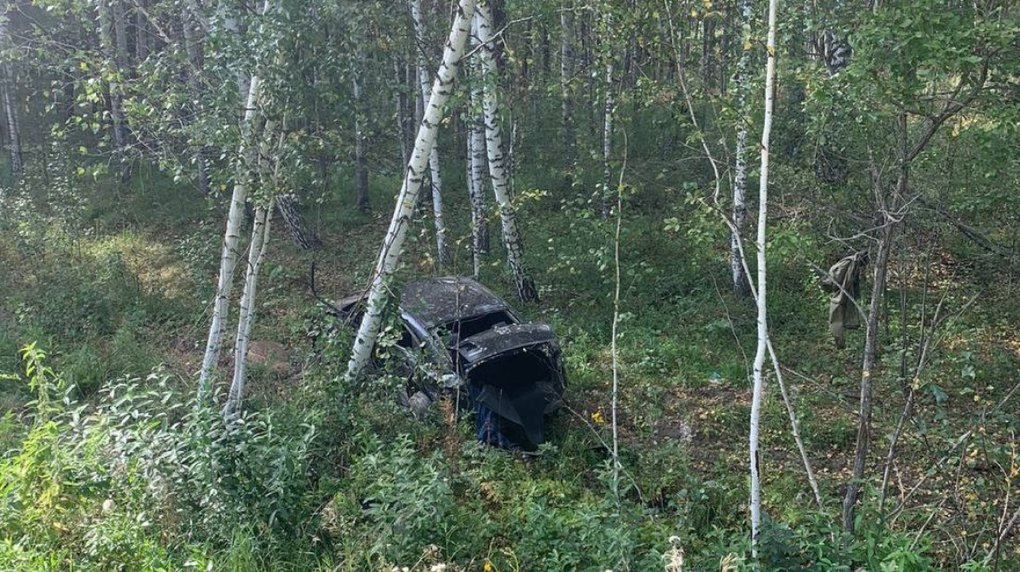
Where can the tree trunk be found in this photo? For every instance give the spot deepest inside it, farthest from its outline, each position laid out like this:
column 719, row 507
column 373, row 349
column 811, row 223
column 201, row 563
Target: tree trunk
column 290, row 213
column 142, row 33
column 476, row 181
column 109, row 45
column 256, row 253
column 8, row 93
column 11, row 114
column 393, row 244
column 192, row 30
column 566, row 76
column 360, row 157
column 741, row 288
column 231, row 240
column 867, row 372
column 607, row 127
column 442, row 250
column 758, row 395
column 403, row 111
column 497, row 161
column 228, row 259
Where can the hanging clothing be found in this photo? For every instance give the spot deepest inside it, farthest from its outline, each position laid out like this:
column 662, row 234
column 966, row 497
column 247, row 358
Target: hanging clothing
column 844, row 282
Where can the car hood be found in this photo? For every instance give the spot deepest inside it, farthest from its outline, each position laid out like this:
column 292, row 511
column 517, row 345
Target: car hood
column 504, row 339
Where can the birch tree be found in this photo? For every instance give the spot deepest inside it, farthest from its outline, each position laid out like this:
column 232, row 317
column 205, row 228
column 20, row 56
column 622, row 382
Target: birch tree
column 739, row 213
column 607, row 115
column 8, row 86
column 393, row 243
column 476, row 181
column 497, row 160
column 108, row 41
column 360, row 156
column 231, row 241
column 246, row 318
column 436, row 179
column 566, row 78
column 193, row 28
column 758, row 395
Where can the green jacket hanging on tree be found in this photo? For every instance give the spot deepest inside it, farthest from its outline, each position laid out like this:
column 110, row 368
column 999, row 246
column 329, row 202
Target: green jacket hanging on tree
column 844, row 282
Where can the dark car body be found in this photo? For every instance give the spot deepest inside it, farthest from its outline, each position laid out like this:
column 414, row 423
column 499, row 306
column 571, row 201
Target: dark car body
column 471, row 338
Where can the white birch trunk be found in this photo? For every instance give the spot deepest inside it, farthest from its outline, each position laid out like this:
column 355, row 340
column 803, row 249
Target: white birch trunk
column 393, row 244
column 360, row 156
column 476, row 168
column 436, row 178
column 476, row 190
column 607, row 124
column 497, row 160
column 740, row 285
column 763, row 336
column 13, row 128
column 228, row 258
column 232, row 234
column 7, row 92
column 256, row 253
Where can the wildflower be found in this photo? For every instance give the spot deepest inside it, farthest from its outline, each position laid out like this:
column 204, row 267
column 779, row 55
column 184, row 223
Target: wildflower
column 598, row 418
column 488, row 567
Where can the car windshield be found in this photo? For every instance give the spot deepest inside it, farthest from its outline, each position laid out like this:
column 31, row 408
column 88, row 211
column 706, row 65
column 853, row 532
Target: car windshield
column 463, row 329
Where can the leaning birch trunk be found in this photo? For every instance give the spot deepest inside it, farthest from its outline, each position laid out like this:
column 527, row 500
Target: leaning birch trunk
column 109, row 48
column 740, row 284
column 393, row 244
column 442, row 249
column 763, row 332
column 228, row 259
column 497, row 160
column 256, row 253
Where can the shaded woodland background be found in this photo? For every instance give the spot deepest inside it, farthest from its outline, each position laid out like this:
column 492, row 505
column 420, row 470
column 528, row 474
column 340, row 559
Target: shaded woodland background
column 126, row 127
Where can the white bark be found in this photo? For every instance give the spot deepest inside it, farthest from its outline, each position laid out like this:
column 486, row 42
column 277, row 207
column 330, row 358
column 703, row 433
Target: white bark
column 360, row 155
column 13, row 128
column 476, row 188
column 607, row 124
column 442, row 249
column 763, row 335
column 228, row 258
column 256, row 253
column 740, row 284
column 393, row 244
column 497, row 160
column 614, row 349
column 7, row 92
column 231, row 236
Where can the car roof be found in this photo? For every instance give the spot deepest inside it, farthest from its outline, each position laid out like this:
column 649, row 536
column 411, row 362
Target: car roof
column 437, row 301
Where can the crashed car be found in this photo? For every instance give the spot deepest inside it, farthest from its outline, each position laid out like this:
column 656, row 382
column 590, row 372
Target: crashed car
column 469, row 338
